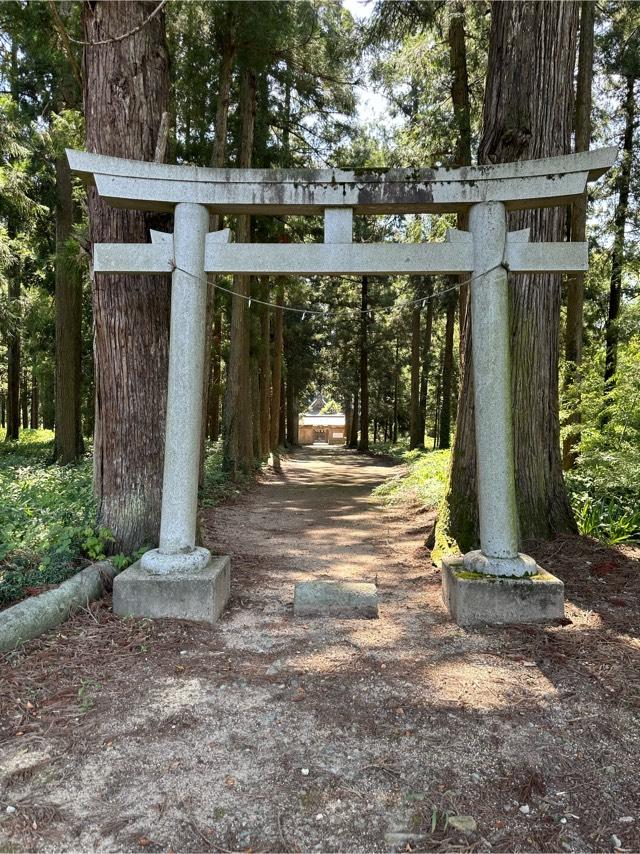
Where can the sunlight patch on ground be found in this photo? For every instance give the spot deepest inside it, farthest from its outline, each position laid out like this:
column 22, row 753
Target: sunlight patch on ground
column 486, row 687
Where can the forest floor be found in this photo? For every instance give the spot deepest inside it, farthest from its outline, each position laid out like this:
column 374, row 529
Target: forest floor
column 270, row 733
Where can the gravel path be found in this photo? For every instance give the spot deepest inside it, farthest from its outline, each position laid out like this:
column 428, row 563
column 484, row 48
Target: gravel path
column 270, row 733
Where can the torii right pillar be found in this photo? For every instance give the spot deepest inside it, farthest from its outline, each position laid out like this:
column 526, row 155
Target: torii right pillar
column 496, row 583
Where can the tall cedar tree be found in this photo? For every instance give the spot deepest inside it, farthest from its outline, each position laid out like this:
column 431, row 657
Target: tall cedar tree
column 68, row 387
column 126, row 86
column 617, row 256
column 363, row 443
column 227, row 46
column 14, row 302
column 527, row 114
column 238, row 423
column 575, row 281
column 276, row 371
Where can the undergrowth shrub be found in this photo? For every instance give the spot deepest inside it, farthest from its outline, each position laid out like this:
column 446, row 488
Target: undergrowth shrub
column 423, row 482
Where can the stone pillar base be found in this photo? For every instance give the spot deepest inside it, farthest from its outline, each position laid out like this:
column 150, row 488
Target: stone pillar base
column 189, row 594
column 473, row 598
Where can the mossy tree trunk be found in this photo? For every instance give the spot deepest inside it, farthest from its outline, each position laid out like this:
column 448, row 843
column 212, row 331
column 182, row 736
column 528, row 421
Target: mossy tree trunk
column 527, row 114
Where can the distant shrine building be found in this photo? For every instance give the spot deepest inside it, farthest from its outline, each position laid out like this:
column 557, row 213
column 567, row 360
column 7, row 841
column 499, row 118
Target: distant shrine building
column 316, row 427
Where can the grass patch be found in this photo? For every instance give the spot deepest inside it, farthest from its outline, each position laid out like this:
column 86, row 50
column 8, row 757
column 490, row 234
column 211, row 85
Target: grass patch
column 217, row 486
column 422, row 482
column 48, row 527
column 47, row 516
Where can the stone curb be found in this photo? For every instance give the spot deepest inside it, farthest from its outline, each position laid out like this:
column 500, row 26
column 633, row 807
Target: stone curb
column 38, row 614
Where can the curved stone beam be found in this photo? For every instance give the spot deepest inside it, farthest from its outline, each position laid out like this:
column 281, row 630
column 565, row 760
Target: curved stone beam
column 522, row 184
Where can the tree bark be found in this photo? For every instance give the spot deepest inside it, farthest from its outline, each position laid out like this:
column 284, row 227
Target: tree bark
column 461, row 101
column 617, row 256
column 13, row 293
column 426, row 363
column 447, row 371
column 13, row 350
column 416, row 434
column 282, row 427
column 291, row 409
column 238, row 429
column 527, row 115
column 34, row 420
column 575, row 281
column 276, row 377
column 348, row 419
column 363, row 444
column 25, row 396
column 396, row 380
column 126, row 87
column 213, row 428
column 353, row 431
column 218, row 154
column 68, row 444
column 265, row 371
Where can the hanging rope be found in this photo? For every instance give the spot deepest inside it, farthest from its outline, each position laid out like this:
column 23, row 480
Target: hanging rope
column 112, row 39
column 315, row 312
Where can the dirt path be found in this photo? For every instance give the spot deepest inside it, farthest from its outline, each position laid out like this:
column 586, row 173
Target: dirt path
column 270, row 733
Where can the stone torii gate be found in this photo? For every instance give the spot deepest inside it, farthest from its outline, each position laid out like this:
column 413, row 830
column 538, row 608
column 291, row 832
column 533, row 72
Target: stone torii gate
column 180, row 579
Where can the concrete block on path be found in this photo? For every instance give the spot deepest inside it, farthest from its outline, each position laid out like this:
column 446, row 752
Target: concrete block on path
column 349, row 599
column 192, row 594
column 474, row 598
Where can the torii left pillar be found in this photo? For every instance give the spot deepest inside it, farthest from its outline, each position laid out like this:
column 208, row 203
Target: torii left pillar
column 180, row 579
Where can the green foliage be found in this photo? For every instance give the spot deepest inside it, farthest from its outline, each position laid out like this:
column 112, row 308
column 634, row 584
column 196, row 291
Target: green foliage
column 605, row 485
column 423, row 481
column 217, row 485
column 44, row 514
column 47, row 513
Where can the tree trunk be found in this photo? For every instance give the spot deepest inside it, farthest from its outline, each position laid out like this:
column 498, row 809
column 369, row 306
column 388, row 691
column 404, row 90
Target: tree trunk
column 213, row 428
column 291, row 409
column 531, row 61
column 24, row 399
column 126, row 86
column 238, row 430
column 396, row 379
column 416, row 434
column 265, row 370
column 212, row 348
column 348, row 419
column 462, row 116
column 68, row 444
column 276, row 380
column 426, row 363
column 617, row 256
column 447, row 370
column 353, row 432
column 13, row 353
column 575, row 281
column 13, row 293
column 282, row 427
column 363, row 444
column 34, row 420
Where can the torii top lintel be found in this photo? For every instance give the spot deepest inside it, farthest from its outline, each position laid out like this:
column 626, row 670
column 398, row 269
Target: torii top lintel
column 522, row 184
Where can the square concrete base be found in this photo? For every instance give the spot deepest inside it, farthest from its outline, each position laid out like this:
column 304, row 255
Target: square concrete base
column 473, row 599
column 348, row 599
column 199, row 595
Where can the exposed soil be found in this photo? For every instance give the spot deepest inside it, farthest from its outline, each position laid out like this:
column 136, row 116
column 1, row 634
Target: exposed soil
column 270, row 733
